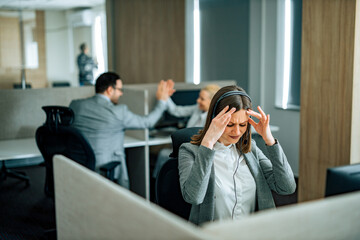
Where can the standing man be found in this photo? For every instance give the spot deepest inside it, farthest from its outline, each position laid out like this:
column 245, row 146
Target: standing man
column 103, row 122
column 86, row 65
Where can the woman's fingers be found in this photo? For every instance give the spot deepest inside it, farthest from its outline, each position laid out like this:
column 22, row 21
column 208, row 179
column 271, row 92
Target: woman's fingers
column 263, row 115
column 222, row 112
column 252, row 122
column 223, row 118
column 254, row 114
column 267, row 120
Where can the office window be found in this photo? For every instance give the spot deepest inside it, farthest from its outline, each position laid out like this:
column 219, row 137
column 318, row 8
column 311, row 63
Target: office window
column 217, row 40
column 288, row 54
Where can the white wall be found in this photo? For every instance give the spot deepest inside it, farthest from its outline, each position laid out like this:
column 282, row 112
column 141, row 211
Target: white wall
column 262, row 77
column 63, row 41
column 57, row 46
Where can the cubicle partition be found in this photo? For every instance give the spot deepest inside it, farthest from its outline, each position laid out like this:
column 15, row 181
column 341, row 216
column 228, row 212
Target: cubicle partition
column 137, row 152
column 91, row 207
column 21, row 112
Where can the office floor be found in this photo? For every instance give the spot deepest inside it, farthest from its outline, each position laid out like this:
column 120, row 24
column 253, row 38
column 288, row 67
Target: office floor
column 26, row 213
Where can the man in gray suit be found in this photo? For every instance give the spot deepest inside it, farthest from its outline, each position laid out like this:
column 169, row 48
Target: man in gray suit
column 103, row 122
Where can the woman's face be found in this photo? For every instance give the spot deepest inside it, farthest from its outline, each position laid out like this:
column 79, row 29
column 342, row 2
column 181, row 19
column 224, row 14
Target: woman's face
column 235, row 128
column 203, row 100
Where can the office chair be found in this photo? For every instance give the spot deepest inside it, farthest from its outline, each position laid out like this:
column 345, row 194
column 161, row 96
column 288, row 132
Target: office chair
column 167, row 186
column 56, row 136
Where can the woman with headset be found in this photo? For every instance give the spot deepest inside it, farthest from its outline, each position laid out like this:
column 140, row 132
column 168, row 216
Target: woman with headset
column 197, row 114
column 223, row 174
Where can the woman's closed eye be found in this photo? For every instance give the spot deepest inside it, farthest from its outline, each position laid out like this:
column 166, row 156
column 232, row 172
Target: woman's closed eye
column 241, row 125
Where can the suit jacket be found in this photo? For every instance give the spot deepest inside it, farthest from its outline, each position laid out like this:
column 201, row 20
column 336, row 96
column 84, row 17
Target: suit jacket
column 197, row 178
column 103, row 124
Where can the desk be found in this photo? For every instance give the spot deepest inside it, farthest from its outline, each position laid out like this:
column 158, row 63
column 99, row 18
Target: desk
column 27, row 148
column 138, row 159
column 154, row 141
column 17, row 149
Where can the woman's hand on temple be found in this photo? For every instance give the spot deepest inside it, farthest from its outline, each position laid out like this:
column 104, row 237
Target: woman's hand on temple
column 217, row 127
column 263, row 126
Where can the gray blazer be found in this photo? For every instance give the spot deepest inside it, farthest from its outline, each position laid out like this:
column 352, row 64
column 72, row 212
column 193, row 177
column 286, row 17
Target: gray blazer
column 197, row 178
column 103, row 124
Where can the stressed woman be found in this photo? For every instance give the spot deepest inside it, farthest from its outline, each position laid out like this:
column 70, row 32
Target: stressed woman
column 223, row 174
column 197, row 113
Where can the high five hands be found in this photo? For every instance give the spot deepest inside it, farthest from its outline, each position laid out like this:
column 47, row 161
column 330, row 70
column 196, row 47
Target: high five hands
column 165, row 89
column 263, row 126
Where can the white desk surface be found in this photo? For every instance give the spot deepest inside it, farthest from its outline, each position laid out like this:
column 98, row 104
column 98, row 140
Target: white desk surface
column 27, row 148
column 153, row 141
column 18, row 148
column 130, row 142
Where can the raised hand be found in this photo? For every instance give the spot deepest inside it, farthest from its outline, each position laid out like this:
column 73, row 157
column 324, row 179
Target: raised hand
column 263, row 126
column 165, row 89
column 217, row 127
column 170, row 87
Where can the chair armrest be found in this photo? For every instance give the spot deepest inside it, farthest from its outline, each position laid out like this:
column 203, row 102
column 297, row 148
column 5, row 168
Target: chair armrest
column 108, row 169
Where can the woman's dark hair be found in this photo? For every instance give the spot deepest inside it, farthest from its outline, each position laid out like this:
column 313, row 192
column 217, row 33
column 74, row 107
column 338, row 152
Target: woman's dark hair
column 237, row 101
column 106, row 80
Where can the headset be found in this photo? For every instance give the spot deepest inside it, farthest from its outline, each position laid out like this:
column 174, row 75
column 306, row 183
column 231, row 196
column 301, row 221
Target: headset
column 237, row 166
column 228, row 94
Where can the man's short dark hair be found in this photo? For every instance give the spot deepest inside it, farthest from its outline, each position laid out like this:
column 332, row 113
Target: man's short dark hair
column 106, row 80
column 82, row 47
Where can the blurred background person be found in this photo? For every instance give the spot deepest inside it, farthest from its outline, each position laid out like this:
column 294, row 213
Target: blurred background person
column 86, row 65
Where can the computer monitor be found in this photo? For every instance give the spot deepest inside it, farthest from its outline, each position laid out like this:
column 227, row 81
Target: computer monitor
column 182, row 98
column 342, row 179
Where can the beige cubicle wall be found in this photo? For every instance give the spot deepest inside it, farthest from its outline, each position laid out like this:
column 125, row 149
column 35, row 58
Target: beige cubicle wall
column 89, row 206
column 21, row 112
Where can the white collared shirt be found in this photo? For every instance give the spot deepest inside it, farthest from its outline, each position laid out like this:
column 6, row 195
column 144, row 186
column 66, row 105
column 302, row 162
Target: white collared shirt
column 232, row 178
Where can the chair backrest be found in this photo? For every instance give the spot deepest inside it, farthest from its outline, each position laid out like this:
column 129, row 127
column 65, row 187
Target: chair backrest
column 167, row 186
column 56, row 136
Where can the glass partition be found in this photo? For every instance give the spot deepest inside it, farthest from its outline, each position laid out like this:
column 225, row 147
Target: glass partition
column 39, row 48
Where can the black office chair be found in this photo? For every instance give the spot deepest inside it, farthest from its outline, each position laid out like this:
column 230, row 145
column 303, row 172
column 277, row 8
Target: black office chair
column 56, row 136
column 167, row 186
